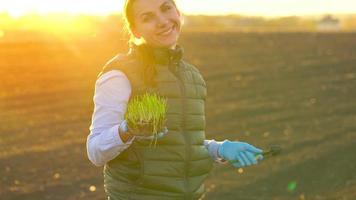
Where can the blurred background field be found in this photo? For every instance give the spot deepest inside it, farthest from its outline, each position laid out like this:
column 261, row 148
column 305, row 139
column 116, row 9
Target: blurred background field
column 293, row 88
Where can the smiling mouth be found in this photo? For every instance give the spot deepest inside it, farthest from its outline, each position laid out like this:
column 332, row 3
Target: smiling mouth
column 167, row 32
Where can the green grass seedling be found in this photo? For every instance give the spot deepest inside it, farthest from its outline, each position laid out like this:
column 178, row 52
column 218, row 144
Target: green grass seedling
column 146, row 115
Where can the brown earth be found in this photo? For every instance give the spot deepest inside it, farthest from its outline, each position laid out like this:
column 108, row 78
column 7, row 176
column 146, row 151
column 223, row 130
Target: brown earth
column 296, row 90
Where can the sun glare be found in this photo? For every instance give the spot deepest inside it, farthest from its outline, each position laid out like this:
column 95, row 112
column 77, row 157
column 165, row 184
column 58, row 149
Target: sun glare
column 17, row 8
column 16, row 12
column 61, row 16
column 2, row 34
column 103, row 7
column 57, row 17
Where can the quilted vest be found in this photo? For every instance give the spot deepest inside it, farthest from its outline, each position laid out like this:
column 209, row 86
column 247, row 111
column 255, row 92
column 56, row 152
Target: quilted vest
column 179, row 163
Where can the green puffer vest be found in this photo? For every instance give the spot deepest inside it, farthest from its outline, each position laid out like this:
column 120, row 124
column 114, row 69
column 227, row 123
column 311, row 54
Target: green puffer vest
column 177, row 167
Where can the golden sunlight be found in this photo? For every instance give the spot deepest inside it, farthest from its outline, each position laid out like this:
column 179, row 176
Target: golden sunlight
column 83, row 17
column 17, row 8
column 2, row 34
column 252, row 7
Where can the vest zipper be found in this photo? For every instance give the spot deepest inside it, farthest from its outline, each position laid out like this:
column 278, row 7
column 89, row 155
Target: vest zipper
column 173, row 66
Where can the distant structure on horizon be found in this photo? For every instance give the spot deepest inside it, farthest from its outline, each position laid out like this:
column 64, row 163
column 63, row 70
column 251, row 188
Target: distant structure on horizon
column 329, row 24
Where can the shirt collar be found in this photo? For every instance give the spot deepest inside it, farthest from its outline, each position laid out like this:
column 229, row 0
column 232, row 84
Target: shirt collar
column 160, row 55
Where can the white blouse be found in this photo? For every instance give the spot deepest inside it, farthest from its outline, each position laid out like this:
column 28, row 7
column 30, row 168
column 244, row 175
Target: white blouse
column 112, row 92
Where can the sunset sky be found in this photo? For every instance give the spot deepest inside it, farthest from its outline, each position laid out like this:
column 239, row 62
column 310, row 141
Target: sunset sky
column 244, row 7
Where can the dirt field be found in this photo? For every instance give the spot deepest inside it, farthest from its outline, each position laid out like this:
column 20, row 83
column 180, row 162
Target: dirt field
column 296, row 90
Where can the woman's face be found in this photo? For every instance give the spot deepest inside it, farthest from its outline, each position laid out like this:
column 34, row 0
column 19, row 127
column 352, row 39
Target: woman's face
column 157, row 22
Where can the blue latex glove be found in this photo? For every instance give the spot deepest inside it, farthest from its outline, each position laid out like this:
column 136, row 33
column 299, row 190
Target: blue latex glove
column 125, row 128
column 240, row 154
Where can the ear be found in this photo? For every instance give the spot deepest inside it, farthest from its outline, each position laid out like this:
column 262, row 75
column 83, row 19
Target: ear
column 135, row 33
column 181, row 17
column 179, row 14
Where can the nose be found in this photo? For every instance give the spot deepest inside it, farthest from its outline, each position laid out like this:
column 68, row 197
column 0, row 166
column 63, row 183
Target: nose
column 162, row 21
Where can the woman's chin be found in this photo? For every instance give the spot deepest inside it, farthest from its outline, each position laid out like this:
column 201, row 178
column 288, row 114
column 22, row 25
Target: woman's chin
column 166, row 44
column 167, row 41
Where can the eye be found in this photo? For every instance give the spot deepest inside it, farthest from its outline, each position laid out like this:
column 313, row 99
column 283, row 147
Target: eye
column 166, row 7
column 147, row 18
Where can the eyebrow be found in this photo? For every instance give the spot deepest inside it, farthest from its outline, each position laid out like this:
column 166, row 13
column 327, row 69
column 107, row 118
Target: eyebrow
column 150, row 13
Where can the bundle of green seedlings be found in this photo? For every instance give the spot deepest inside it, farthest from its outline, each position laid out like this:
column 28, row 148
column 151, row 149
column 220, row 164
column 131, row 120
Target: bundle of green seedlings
column 146, row 115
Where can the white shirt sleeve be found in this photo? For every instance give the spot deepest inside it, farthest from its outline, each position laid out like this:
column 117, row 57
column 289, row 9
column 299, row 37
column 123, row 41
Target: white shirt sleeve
column 213, row 147
column 112, row 92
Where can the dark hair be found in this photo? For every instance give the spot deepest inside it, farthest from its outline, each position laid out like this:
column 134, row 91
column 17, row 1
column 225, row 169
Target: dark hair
column 149, row 72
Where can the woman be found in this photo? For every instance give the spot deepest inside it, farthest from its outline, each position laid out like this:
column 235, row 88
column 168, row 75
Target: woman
column 177, row 167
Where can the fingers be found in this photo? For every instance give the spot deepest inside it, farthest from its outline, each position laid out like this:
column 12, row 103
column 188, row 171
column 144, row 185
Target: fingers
column 143, row 137
column 248, row 158
column 244, row 159
column 162, row 133
column 240, row 154
column 251, row 157
column 158, row 136
column 123, row 126
column 252, row 149
column 240, row 160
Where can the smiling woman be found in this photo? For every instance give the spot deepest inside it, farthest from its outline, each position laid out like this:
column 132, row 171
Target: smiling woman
column 182, row 158
column 142, row 22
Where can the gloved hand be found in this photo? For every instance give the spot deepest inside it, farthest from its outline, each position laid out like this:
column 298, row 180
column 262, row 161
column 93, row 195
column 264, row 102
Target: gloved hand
column 239, row 154
column 125, row 128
